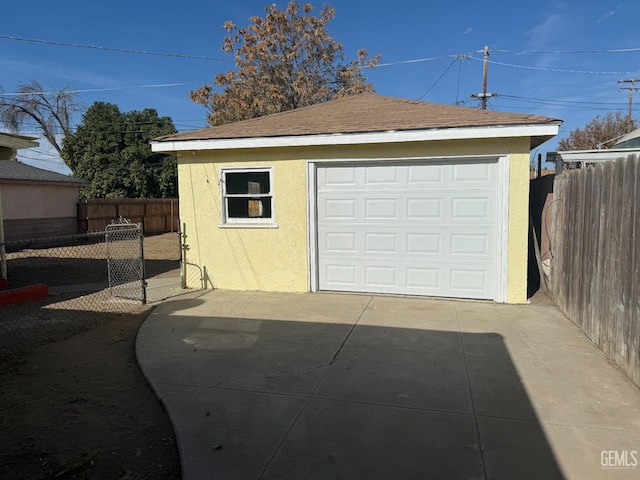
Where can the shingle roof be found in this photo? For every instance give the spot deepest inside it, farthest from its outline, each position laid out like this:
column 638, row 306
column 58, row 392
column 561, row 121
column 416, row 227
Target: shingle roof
column 363, row 113
column 15, row 171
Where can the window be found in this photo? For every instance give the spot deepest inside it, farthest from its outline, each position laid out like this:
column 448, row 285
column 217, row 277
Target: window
column 247, row 196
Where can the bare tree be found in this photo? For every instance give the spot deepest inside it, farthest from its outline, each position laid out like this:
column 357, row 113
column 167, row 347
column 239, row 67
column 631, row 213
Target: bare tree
column 598, row 133
column 51, row 111
column 284, row 60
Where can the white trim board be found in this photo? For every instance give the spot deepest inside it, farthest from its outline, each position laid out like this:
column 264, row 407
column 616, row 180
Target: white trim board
column 503, row 229
column 464, row 133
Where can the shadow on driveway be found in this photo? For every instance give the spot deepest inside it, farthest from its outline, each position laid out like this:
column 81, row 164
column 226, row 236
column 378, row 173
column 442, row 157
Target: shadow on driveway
column 358, row 387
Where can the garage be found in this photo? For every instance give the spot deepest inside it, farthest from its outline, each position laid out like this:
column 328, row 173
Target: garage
column 365, row 193
column 420, row 227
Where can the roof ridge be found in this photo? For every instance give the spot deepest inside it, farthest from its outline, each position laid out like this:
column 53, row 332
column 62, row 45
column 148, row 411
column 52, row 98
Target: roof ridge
column 360, row 113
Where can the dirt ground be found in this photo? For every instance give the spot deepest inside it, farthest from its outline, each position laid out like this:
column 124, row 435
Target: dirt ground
column 80, row 408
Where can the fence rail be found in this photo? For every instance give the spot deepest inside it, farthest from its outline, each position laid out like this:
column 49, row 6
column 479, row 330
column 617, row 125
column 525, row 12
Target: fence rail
column 595, row 271
column 158, row 215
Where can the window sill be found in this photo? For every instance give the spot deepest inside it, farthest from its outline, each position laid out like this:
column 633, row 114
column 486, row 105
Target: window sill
column 248, row 225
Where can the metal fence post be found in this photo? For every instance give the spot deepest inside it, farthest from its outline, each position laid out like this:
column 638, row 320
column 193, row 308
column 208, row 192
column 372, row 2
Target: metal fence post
column 182, row 236
column 3, row 256
column 143, row 277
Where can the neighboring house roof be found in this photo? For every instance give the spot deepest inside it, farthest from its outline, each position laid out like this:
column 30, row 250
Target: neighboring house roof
column 628, row 144
column 14, row 171
column 370, row 115
column 630, row 140
column 11, row 140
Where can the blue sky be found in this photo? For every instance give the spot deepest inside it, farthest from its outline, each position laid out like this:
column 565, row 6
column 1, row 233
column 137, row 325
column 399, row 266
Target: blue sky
column 589, row 46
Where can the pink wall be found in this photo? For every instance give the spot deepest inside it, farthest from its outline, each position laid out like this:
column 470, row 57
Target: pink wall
column 30, row 201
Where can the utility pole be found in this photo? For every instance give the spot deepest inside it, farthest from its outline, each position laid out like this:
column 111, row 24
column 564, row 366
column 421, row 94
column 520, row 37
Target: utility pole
column 631, row 88
column 485, row 74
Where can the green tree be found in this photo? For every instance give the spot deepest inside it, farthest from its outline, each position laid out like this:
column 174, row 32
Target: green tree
column 284, row 60
column 598, row 133
column 52, row 111
column 110, row 149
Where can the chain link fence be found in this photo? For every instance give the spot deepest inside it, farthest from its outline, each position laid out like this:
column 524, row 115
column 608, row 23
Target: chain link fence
column 88, row 279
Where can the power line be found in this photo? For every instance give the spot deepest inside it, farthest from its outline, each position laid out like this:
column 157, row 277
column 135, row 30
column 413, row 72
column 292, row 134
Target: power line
column 541, row 100
column 113, row 49
column 563, row 106
column 110, row 89
column 455, row 56
column 558, row 70
column 439, row 78
column 562, row 52
column 45, row 152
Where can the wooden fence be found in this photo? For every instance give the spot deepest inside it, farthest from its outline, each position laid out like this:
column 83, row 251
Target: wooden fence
column 595, row 271
column 158, row 215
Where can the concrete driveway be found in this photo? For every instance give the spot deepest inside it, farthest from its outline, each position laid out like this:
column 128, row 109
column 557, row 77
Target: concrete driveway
column 330, row 386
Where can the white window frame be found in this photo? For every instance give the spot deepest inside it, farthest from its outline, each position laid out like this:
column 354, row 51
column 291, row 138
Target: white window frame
column 231, row 222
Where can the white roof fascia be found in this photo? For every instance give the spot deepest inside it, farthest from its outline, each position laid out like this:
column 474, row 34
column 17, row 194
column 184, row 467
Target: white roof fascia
column 596, row 155
column 393, row 136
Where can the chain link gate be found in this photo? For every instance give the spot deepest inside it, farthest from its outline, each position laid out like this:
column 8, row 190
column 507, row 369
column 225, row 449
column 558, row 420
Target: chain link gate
column 125, row 260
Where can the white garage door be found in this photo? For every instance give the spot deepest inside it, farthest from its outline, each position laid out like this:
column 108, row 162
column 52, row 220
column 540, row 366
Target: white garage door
column 417, row 228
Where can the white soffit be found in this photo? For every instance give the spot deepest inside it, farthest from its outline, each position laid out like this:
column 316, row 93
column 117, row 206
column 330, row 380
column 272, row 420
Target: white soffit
column 359, row 138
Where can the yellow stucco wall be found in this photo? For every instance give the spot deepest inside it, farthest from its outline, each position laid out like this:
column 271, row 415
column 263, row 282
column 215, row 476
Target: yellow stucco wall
column 518, row 227
column 273, row 259
column 277, row 259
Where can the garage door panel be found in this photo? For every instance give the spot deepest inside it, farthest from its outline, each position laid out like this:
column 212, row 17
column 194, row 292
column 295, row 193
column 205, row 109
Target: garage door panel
column 340, row 275
column 381, row 276
column 381, row 175
column 341, row 242
column 423, row 243
column 422, row 229
column 427, row 208
column 472, row 208
column 465, row 244
column 345, row 176
column 466, row 279
column 339, row 209
column 474, row 173
column 414, row 280
column 423, row 278
column 421, row 174
column 428, row 241
column 381, row 209
column 379, row 242
column 437, row 279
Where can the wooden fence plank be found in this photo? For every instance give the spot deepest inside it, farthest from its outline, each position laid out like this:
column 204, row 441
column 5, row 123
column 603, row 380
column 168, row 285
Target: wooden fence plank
column 588, row 241
column 598, row 232
column 634, row 344
column 580, row 277
column 616, row 262
column 595, row 274
column 158, row 215
column 576, row 241
column 558, row 240
column 626, row 254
